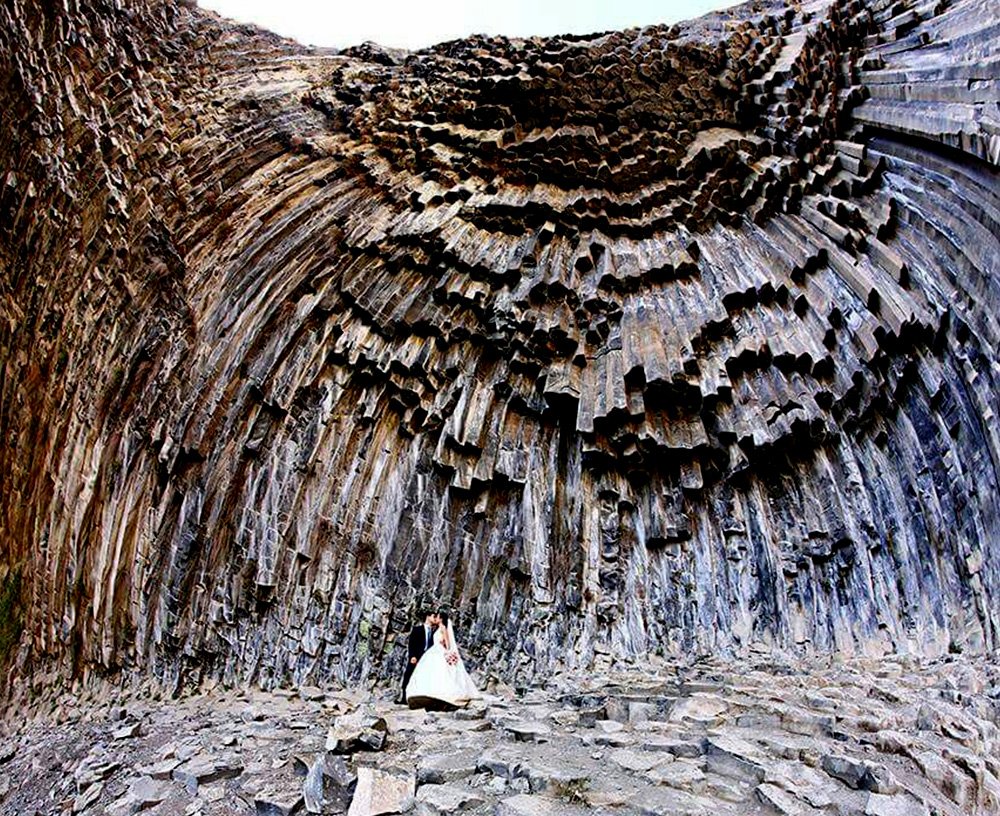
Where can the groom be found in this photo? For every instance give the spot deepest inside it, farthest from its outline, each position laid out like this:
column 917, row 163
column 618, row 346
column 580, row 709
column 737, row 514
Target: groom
column 421, row 638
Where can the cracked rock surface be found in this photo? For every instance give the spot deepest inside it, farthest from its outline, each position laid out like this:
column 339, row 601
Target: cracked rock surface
column 708, row 738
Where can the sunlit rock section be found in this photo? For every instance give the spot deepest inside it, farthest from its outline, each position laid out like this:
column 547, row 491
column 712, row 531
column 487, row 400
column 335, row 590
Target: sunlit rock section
column 672, row 340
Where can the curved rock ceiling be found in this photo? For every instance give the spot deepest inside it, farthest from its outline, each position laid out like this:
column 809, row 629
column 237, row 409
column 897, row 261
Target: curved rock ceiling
column 677, row 340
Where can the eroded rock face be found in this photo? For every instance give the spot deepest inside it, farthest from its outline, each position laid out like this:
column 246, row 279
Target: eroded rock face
column 671, row 340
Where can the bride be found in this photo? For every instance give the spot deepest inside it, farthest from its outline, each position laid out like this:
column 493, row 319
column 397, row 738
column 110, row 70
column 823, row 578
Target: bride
column 440, row 679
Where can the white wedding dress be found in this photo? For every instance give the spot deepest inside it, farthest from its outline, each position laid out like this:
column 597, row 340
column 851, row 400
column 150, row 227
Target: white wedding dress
column 436, row 683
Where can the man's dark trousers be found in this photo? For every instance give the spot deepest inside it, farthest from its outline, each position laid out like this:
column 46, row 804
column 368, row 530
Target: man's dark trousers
column 418, row 643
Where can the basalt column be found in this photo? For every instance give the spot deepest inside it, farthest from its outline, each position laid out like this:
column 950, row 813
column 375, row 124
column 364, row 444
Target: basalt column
column 673, row 340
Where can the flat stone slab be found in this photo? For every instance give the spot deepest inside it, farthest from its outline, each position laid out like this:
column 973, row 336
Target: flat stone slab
column 528, row 730
column 880, row 804
column 638, row 761
column 359, row 731
column 84, row 800
column 681, row 774
column 204, row 771
column 448, row 798
column 278, row 802
column 160, row 770
column 700, row 707
column 672, row 745
column 526, row 804
column 147, row 792
column 381, row 791
column 448, row 767
column 668, row 802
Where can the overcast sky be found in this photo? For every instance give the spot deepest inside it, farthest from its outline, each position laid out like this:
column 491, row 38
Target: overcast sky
column 419, row 23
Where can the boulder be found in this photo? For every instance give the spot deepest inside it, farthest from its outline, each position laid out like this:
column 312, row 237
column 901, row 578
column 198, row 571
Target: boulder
column 673, row 745
column 735, row 757
column 781, row 800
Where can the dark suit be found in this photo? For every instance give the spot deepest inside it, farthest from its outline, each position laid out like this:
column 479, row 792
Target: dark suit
column 421, row 638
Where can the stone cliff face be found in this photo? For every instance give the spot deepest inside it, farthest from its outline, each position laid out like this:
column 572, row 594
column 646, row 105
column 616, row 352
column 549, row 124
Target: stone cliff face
column 675, row 340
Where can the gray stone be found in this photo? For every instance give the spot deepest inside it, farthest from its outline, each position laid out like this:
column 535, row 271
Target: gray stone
column 536, row 805
column 733, row 756
column 313, row 788
column 147, row 792
column 669, row 802
column 782, row 801
column 450, row 767
column 498, row 764
column 128, row 732
column 443, row 799
column 637, row 761
column 473, row 712
column 95, row 767
column 203, row 770
column 879, row 804
column 160, row 770
column 328, row 780
column 639, row 712
column 84, row 800
column 528, row 731
column 355, row 732
column 673, row 745
column 381, row 791
column 681, row 774
column 700, row 707
column 859, row 774
column 278, row 801
column 551, row 775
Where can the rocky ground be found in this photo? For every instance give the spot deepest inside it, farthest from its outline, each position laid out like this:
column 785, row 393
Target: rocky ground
column 894, row 737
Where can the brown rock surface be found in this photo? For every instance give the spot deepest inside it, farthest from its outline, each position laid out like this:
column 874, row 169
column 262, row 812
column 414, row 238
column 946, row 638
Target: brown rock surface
column 672, row 340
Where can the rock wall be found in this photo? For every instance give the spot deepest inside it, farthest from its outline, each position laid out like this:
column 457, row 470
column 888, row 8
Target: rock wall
column 671, row 340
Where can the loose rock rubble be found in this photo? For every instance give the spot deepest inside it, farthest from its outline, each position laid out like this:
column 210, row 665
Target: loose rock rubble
column 894, row 737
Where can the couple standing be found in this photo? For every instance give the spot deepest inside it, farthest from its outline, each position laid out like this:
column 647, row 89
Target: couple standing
column 435, row 675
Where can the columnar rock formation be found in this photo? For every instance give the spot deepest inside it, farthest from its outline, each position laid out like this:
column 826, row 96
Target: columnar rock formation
column 680, row 339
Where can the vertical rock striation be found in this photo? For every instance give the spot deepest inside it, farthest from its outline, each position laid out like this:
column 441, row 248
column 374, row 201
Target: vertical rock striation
column 680, row 339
